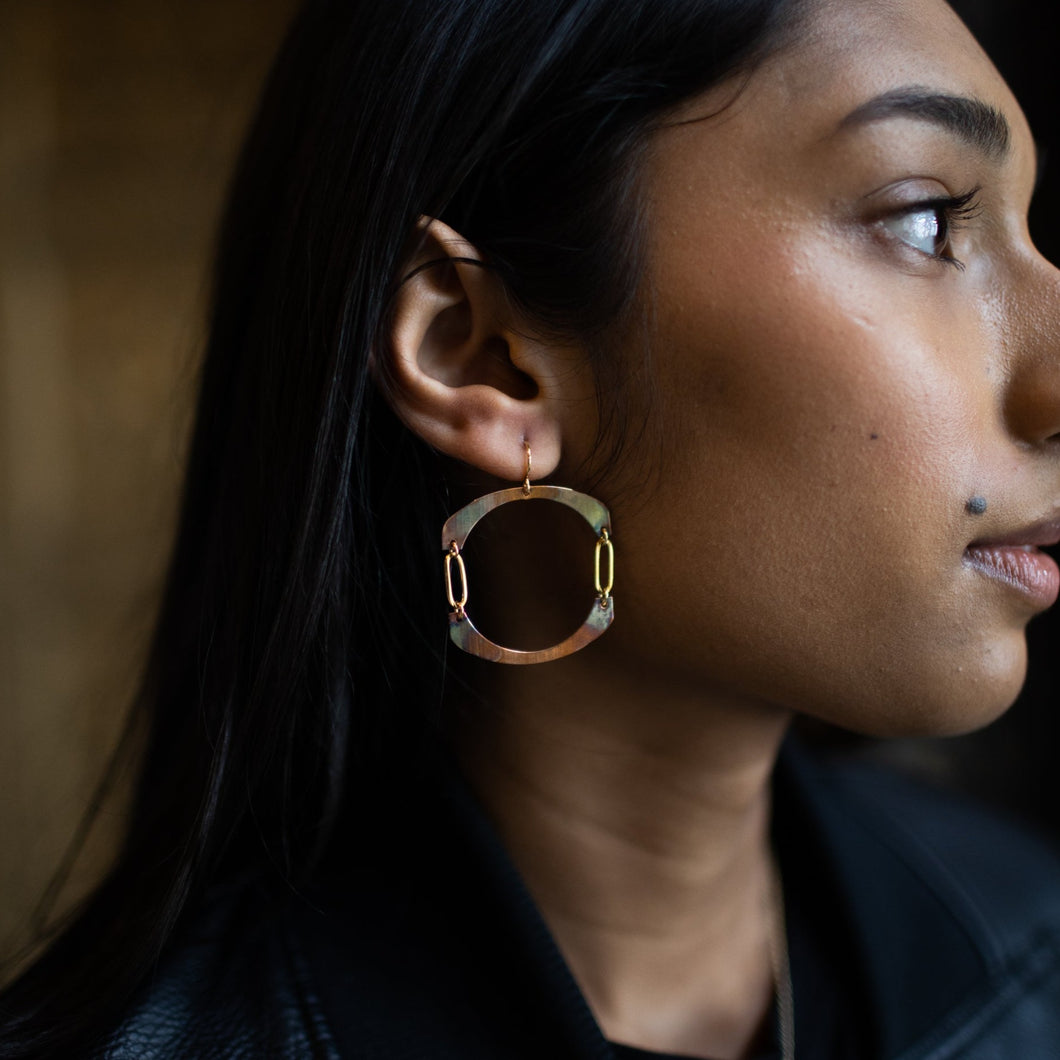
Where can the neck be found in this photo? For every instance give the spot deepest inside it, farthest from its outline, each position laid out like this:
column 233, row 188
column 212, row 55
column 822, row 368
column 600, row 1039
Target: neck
column 640, row 822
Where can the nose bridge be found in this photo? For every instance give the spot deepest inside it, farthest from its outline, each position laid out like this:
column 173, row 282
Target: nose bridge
column 1033, row 400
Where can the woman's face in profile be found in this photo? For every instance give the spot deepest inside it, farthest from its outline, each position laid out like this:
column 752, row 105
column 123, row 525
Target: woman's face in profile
column 856, row 346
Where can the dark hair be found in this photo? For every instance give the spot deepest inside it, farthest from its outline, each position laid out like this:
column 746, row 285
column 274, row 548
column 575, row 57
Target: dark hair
column 298, row 652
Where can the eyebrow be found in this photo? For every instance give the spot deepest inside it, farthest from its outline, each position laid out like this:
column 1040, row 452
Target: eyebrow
column 969, row 119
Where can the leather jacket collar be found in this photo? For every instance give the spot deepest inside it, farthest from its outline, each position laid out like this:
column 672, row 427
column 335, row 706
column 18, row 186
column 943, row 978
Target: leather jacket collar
column 428, row 947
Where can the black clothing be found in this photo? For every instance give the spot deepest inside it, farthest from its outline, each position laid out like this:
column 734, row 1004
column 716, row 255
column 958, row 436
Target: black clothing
column 628, row 1052
column 919, row 930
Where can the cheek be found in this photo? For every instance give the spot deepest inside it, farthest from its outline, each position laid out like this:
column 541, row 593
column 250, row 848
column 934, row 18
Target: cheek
column 806, row 536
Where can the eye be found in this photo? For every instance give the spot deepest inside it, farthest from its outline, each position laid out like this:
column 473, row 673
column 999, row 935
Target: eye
column 929, row 226
column 925, row 228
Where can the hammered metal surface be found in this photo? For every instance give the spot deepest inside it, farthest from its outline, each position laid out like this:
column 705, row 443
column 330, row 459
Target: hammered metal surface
column 458, row 526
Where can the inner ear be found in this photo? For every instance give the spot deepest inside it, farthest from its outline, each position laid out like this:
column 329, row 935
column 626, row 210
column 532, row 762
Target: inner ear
column 494, row 368
column 458, row 326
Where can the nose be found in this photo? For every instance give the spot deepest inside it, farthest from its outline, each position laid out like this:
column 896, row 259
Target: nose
column 1033, row 395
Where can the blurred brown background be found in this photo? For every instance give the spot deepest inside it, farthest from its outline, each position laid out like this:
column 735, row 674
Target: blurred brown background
column 119, row 120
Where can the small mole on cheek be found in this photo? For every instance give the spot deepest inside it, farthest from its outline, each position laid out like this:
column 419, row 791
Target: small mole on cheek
column 873, row 436
column 975, row 505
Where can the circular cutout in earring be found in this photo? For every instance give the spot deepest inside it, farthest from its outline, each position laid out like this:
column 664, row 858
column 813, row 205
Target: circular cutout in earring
column 462, row 630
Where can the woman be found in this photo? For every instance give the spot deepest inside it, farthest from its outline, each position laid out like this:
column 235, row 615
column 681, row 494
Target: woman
column 753, row 279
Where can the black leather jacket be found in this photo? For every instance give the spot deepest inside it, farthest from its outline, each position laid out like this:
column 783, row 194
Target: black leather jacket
column 430, row 948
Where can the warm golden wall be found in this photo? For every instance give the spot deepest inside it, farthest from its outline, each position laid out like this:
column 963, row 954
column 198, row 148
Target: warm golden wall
column 118, row 124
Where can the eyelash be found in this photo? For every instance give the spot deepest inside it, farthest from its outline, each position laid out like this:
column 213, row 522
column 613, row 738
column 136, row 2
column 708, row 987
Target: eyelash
column 954, row 212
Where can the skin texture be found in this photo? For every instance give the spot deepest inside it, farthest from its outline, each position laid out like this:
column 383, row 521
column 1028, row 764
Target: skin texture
column 827, row 399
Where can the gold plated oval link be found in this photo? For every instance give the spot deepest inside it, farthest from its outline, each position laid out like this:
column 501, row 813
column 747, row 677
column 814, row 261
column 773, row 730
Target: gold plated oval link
column 603, row 592
column 457, row 605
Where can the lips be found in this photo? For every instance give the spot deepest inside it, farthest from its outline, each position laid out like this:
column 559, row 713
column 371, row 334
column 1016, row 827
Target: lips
column 1016, row 560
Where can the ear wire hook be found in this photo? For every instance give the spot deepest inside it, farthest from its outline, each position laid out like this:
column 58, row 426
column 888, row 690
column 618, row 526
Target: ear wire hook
column 526, row 477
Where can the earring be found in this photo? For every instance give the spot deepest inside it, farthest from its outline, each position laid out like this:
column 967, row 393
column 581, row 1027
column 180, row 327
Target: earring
column 462, row 630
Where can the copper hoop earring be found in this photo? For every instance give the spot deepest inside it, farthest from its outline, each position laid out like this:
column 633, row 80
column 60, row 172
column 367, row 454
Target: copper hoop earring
column 462, row 630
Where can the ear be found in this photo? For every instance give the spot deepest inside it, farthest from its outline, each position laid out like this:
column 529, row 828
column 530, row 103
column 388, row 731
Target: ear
column 459, row 371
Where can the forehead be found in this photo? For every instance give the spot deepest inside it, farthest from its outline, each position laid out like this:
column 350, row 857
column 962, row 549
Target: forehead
column 852, row 42
column 844, row 53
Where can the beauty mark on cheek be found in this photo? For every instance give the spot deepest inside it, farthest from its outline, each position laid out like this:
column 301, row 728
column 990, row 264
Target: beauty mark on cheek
column 975, row 505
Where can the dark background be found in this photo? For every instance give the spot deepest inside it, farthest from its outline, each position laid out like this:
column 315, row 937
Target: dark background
column 119, row 121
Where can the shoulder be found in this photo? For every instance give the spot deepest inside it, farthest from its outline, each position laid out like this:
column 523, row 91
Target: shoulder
column 229, row 986
column 954, row 911
column 1002, row 879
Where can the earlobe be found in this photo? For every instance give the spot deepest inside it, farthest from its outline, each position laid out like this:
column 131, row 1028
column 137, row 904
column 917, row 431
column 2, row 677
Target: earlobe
column 456, row 368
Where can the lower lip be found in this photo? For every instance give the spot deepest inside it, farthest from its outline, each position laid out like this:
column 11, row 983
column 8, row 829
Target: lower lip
column 1030, row 571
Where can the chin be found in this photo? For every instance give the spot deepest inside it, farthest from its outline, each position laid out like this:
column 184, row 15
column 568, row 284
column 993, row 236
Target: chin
column 920, row 704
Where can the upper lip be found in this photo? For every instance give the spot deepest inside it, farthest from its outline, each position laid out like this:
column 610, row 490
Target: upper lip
column 1044, row 533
